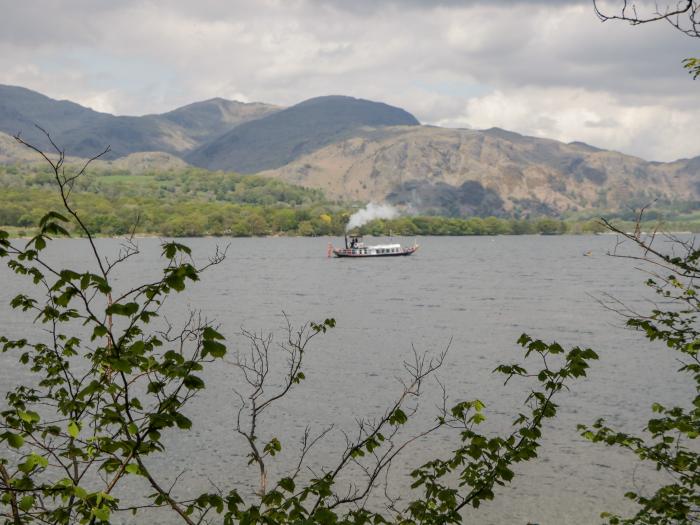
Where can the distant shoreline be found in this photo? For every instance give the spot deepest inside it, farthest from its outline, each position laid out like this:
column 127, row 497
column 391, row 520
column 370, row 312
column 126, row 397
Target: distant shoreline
column 277, row 236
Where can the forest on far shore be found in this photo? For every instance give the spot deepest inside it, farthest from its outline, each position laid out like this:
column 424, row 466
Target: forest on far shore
column 195, row 202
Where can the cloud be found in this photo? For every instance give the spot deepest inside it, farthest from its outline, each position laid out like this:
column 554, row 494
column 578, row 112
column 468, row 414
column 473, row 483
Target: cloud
column 593, row 117
column 435, row 59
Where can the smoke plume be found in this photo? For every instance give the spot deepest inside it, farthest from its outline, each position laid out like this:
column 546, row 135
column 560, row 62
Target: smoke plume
column 369, row 213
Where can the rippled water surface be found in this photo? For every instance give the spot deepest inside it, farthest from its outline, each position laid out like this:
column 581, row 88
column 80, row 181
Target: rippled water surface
column 476, row 295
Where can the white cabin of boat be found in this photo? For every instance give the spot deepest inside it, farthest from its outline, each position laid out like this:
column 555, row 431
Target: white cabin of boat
column 355, row 247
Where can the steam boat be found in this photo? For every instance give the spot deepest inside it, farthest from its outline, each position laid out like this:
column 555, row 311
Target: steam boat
column 355, row 247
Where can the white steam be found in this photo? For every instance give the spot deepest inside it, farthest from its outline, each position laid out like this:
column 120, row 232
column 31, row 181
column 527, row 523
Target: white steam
column 369, row 213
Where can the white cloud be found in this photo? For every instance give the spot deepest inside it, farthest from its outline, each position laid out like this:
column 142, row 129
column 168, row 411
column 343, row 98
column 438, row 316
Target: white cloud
column 106, row 102
column 651, row 131
column 446, row 62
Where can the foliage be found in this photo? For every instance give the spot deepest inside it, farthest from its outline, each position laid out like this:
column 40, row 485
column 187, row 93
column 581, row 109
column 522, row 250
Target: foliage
column 191, row 202
column 103, row 402
column 421, row 225
column 194, row 202
column 190, row 182
column 693, row 66
column 669, row 439
column 669, row 436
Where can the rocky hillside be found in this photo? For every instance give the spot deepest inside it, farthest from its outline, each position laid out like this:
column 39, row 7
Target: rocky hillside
column 282, row 137
column 490, row 172
column 361, row 150
column 84, row 132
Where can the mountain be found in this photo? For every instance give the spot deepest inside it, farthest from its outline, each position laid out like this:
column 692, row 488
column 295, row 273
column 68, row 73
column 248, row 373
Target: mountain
column 355, row 149
column 488, row 172
column 211, row 118
column 84, row 132
column 278, row 139
column 11, row 152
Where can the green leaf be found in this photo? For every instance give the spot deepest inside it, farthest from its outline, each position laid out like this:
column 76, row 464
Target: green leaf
column 193, row 382
column 182, row 422
column 51, row 215
column 39, row 242
column 132, row 468
column 287, row 484
column 73, row 429
column 172, row 248
column 99, row 331
column 656, row 407
column 213, row 348
column 93, row 387
column 14, row 440
column 127, row 309
column 101, row 513
column 33, row 461
column 121, row 365
column 210, row 333
column 273, row 447
column 398, row 417
column 357, row 453
column 29, row 416
column 371, row 444
column 478, row 418
column 26, row 503
column 324, row 326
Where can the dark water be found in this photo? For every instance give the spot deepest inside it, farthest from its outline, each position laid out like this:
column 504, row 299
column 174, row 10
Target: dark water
column 478, row 293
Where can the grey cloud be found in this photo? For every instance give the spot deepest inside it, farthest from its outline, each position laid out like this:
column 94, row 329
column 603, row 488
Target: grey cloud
column 429, row 57
column 371, row 6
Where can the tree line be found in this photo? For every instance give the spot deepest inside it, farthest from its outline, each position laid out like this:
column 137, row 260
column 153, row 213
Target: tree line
column 193, row 202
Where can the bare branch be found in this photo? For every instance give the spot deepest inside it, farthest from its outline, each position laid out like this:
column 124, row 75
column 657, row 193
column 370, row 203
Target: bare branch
column 684, row 15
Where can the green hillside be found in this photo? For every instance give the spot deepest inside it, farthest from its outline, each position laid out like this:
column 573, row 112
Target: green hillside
column 183, row 202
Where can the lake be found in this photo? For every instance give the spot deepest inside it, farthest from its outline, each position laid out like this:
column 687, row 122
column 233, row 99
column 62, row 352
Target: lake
column 480, row 293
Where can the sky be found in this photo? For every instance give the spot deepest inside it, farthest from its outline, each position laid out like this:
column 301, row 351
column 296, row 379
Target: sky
column 543, row 68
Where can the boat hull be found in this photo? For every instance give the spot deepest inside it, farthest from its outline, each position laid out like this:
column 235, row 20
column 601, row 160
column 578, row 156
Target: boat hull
column 402, row 253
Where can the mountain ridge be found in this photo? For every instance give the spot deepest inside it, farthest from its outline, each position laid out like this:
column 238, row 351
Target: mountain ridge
column 84, row 132
column 281, row 137
column 362, row 150
column 470, row 172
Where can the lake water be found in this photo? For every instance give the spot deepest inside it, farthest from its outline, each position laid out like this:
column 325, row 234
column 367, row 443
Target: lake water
column 480, row 293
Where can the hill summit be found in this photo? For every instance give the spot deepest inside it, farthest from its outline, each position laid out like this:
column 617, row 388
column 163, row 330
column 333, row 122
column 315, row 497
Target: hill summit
column 84, row 132
column 280, row 138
